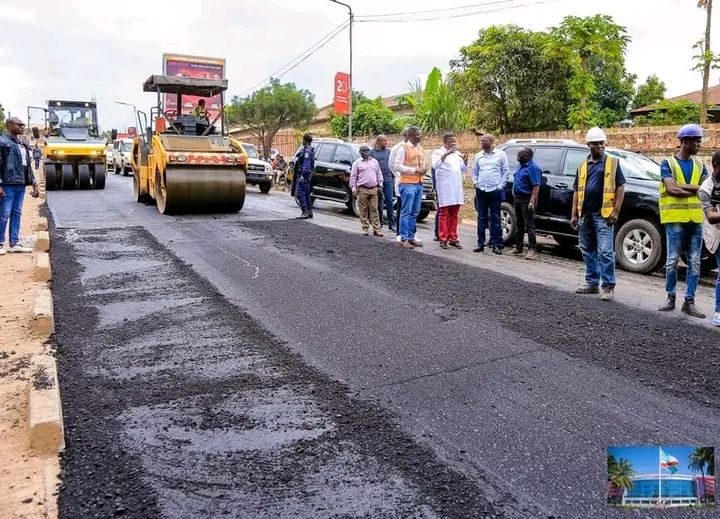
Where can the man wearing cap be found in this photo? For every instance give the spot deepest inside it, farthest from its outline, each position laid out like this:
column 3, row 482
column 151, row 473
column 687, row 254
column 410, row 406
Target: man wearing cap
column 682, row 215
column 366, row 180
column 15, row 174
column 597, row 199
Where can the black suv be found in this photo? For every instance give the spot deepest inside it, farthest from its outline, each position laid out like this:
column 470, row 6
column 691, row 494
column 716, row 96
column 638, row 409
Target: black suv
column 639, row 240
column 331, row 176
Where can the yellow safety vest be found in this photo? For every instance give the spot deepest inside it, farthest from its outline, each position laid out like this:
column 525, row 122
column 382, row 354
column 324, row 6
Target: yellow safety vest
column 676, row 209
column 608, row 186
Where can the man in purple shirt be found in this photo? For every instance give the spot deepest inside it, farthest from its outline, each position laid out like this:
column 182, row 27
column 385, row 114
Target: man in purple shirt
column 366, row 180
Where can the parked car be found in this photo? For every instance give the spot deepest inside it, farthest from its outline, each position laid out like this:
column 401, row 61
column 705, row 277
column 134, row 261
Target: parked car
column 331, row 176
column 119, row 160
column 259, row 173
column 639, row 239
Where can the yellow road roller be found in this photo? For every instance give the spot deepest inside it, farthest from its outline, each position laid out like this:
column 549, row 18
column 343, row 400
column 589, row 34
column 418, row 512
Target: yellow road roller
column 183, row 161
column 73, row 148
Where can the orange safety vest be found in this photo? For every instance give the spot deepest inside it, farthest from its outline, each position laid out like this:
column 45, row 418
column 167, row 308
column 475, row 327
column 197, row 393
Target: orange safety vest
column 414, row 159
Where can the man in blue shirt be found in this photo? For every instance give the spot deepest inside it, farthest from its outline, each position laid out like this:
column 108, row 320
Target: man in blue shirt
column 382, row 154
column 304, row 164
column 490, row 174
column 526, row 189
column 597, row 199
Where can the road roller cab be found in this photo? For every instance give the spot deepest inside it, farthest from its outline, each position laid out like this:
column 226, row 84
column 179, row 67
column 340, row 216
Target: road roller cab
column 73, row 148
column 183, row 162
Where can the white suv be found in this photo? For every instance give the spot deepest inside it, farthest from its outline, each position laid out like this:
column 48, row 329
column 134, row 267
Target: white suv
column 119, row 160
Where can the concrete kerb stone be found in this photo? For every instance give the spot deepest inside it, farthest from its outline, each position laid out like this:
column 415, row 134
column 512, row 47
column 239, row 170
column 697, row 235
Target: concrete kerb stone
column 43, row 321
column 42, row 267
column 42, row 224
column 47, row 433
column 43, row 241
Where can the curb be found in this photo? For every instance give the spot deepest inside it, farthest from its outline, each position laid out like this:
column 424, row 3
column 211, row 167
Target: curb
column 42, row 224
column 47, row 434
column 42, row 267
column 43, row 321
column 43, row 241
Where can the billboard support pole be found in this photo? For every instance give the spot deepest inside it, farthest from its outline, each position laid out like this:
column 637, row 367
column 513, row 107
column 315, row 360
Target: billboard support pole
column 350, row 106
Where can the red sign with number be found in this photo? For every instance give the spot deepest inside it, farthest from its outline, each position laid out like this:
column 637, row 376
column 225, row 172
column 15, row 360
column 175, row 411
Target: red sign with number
column 342, row 93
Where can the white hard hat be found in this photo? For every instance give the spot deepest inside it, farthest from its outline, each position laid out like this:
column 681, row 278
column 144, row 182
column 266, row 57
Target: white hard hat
column 595, row 135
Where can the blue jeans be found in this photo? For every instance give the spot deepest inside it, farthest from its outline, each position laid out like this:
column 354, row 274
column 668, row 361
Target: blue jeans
column 11, row 209
column 597, row 245
column 388, row 197
column 687, row 237
column 484, row 202
column 411, row 195
column 302, row 191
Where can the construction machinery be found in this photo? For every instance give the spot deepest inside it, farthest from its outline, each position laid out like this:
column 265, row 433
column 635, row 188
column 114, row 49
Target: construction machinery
column 182, row 161
column 73, row 149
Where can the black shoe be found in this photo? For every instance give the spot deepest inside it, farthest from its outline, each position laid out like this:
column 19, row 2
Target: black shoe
column 588, row 289
column 497, row 250
column 689, row 308
column 669, row 305
column 443, row 244
column 310, row 215
column 479, row 249
column 303, row 216
column 392, row 228
column 455, row 244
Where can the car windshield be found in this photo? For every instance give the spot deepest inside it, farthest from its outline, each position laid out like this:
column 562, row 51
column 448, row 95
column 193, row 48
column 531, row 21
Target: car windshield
column 127, row 146
column 72, row 116
column 636, row 166
column 250, row 150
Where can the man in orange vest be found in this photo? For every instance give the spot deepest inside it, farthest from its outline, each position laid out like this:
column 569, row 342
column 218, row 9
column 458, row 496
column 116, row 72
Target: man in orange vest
column 410, row 165
column 598, row 197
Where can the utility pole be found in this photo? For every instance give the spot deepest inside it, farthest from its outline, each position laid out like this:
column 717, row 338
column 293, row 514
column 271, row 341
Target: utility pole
column 706, row 60
column 350, row 106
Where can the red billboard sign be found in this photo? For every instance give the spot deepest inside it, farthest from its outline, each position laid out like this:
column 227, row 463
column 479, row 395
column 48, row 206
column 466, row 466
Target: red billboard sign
column 194, row 67
column 342, row 93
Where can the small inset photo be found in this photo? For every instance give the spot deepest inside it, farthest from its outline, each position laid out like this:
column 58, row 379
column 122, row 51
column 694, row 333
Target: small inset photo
column 663, row 476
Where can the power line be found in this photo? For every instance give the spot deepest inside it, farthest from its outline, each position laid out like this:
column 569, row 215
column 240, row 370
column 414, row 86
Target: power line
column 445, row 10
column 300, row 58
column 451, row 15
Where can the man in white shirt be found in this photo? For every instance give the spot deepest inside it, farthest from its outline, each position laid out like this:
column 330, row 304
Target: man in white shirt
column 490, row 173
column 449, row 168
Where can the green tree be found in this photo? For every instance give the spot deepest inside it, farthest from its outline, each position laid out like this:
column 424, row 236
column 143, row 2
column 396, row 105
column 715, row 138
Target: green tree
column 649, row 93
column 370, row 117
column 699, row 459
column 621, row 473
column 2, row 118
column 593, row 46
column 438, row 107
column 512, row 82
column 266, row 111
column 671, row 113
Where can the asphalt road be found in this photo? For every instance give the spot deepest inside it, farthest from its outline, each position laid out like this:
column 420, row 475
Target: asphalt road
column 261, row 366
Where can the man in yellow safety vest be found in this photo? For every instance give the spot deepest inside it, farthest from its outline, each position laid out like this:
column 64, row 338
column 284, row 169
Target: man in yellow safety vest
column 682, row 215
column 597, row 199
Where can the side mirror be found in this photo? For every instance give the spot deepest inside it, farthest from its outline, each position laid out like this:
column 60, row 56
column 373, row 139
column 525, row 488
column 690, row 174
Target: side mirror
column 113, row 134
column 36, row 133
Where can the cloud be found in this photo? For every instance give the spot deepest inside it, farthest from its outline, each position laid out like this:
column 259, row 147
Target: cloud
column 15, row 14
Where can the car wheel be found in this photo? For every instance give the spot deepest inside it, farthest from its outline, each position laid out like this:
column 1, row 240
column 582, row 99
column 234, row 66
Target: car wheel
column 422, row 215
column 352, row 204
column 265, row 187
column 507, row 223
column 639, row 246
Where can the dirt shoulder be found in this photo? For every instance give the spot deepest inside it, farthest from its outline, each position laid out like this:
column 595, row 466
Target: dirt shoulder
column 23, row 477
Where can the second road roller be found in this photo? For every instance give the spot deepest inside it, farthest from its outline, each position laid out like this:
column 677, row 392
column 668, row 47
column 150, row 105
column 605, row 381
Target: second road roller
column 186, row 162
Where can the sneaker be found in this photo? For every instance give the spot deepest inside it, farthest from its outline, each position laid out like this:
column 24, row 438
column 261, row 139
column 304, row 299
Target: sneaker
column 19, row 248
column 608, row 293
column 716, row 319
column 531, row 255
column 365, row 232
column 588, row 289
column 303, row 216
column 455, row 244
column 497, row 250
column 443, row 244
column 398, row 238
column 378, row 233
column 416, row 243
column 2, row 250
column 690, row 309
column 516, row 252
column 406, row 244
column 479, row 249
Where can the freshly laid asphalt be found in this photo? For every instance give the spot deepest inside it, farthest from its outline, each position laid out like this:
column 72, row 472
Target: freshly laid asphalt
column 260, row 366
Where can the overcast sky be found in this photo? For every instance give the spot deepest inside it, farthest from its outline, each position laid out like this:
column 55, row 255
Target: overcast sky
column 73, row 49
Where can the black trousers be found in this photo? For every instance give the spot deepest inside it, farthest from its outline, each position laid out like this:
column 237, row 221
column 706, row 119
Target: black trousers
column 524, row 221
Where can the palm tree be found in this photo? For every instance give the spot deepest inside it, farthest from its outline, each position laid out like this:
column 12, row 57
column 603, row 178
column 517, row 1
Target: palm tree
column 437, row 106
column 622, row 473
column 700, row 457
column 707, row 61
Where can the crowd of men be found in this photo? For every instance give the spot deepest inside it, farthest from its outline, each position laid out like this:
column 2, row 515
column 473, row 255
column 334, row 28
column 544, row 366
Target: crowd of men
column 689, row 202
